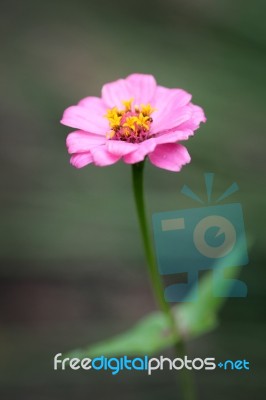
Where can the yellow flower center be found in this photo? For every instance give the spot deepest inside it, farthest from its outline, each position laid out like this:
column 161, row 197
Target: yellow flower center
column 131, row 124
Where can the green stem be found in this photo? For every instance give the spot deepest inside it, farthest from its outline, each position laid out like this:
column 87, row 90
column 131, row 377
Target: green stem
column 187, row 383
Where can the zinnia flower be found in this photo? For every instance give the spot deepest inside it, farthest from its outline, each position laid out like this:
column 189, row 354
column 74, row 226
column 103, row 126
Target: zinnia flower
column 134, row 118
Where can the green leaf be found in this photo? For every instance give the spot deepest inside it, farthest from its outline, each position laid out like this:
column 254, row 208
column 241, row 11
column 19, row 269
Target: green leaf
column 200, row 316
column 146, row 337
column 153, row 333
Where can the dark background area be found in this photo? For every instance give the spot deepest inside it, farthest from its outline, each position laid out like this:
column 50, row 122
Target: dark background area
column 72, row 267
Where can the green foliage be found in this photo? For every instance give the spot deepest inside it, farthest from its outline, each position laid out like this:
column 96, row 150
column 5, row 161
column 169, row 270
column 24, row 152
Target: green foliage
column 194, row 318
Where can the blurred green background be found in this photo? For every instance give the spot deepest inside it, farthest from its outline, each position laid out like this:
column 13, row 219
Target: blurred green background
column 72, row 267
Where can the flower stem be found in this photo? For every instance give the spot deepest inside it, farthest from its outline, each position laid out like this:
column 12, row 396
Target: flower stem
column 186, row 381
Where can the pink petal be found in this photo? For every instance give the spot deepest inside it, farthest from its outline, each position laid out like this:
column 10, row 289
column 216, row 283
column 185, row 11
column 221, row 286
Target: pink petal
column 102, row 157
column 197, row 117
column 168, row 101
column 93, row 104
column 120, row 148
column 86, row 119
column 142, row 87
column 173, row 136
column 143, row 149
column 170, row 156
column 164, row 96
column 139, row 86
column 80, row 160
column 171, row 119
column 114, row 92
column 80, row 141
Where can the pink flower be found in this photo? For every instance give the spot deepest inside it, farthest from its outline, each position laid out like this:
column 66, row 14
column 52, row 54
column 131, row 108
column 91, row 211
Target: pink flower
column 133, row 119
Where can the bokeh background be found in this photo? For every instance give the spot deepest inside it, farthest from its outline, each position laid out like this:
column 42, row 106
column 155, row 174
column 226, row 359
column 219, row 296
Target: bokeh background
column 72, row 267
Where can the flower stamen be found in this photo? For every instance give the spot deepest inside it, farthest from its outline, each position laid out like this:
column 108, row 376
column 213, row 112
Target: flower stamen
column 131, row 124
